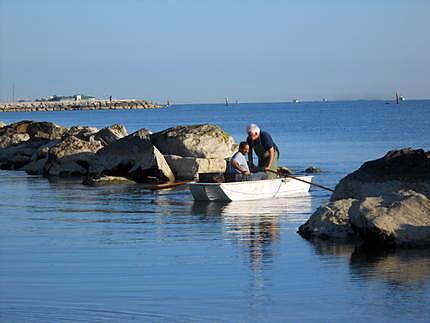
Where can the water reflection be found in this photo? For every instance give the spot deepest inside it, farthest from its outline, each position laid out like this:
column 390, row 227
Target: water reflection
column 255, row 225
column 401, row 268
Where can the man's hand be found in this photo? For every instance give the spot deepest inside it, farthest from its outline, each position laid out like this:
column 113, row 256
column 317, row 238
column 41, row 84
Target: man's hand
column 246, row 173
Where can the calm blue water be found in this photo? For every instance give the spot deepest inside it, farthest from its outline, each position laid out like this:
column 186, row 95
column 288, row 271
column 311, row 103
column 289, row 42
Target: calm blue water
column 121, row 253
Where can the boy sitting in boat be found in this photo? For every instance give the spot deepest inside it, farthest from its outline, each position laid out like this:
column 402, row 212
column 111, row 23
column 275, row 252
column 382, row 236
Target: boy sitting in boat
column 238, row 169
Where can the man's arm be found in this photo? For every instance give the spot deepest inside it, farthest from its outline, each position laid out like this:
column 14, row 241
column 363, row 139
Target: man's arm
column 271, row 157
column 236, row 165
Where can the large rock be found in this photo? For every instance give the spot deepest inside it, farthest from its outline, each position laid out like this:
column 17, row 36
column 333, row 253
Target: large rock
column 39, row 158
column 14, row 134
column 16, row 156
column 13, row 139
column 401, row 219
column 2, row 124
column 81, row 132
column 71, row 157
column 329, row 221
column 45, row 130
column 385, row 202
column 190, row 167
column 111, row 134
column 397, row 170
column 133, row 157
column 200, row 141
column 18, row 132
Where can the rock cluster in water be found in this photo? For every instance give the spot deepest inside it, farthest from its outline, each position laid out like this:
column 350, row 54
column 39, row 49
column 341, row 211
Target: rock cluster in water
column 77, row 105
column 111, row 155
column 386, row 201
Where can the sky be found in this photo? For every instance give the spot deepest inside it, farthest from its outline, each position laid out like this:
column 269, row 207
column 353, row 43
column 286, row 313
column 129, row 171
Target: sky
column 201, row 51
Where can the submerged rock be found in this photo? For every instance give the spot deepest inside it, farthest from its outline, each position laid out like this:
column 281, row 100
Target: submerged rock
column 108, row 180
column 312, row 170
column 199, row 141
column 132, row 157
column 385, row 202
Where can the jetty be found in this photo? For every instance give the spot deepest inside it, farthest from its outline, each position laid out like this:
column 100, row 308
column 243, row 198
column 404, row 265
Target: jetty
column 72, row 105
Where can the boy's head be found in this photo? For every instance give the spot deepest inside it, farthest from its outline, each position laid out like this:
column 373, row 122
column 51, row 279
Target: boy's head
column 244, row 147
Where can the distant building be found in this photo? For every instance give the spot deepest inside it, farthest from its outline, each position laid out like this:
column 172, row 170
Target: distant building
column 56, row 98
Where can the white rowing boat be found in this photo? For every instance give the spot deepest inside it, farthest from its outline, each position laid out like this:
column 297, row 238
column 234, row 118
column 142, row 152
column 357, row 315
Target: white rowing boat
column 250, row 190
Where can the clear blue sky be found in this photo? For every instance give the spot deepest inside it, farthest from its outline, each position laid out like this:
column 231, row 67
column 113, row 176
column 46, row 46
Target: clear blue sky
column 202, row 51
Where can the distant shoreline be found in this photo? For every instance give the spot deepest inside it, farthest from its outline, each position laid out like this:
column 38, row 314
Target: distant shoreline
column 72, row 105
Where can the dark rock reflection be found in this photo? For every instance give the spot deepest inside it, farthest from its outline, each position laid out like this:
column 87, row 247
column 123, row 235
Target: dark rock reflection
column 399, row 268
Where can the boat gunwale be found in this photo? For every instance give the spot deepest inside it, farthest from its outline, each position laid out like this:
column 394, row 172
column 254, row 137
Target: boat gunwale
column 249, row 182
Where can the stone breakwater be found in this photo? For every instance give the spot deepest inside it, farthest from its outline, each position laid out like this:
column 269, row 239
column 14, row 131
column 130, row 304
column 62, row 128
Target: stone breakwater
column 77, row 105
column 111, row 155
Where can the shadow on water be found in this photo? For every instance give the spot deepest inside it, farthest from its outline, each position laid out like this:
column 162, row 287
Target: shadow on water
column 398, row 268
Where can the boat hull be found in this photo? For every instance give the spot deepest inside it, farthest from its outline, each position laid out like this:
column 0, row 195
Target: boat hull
column 249, row 190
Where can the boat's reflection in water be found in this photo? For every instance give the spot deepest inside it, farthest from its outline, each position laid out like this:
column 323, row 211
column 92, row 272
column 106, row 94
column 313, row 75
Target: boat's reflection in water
column 256, row 225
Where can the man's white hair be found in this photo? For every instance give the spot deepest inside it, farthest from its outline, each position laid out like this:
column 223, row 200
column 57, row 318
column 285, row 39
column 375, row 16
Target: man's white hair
column 253, row 128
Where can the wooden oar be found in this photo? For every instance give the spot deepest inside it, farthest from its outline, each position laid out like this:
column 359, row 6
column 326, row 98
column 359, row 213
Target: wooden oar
column 301, row 180
column 164, row 186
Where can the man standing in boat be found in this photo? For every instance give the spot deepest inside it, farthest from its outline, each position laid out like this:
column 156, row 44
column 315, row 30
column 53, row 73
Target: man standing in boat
column 262, row 144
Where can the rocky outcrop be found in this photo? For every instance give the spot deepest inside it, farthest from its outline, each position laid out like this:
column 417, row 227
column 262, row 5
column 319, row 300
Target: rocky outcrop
column 111, row 134
column 133, row 157
column 77, row 105
column 71, row 157
column 199, row 141
column 385, row 202
column 2, row 124
column 190, row 167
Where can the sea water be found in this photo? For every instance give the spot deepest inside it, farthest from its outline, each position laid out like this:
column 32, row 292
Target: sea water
column 70, row 252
